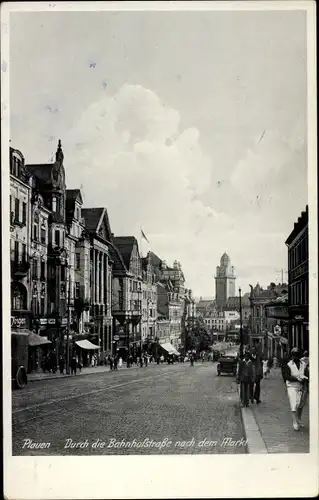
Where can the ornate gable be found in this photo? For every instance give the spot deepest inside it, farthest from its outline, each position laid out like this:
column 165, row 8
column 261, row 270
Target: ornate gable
column 103, row 228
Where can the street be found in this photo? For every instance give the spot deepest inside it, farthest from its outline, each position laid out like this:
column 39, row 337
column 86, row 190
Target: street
column 159, row 409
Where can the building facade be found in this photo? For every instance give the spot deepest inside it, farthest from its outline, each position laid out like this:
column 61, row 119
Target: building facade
column 98, row 231
column 298, row 280
column 127, row 296
column 277, row 326
column 49, row 184
column 259, row 298
column 149, row 303
column 20, row 242
column 225, row 280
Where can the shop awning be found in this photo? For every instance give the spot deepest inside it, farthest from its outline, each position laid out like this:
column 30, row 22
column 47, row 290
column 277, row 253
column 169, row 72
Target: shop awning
column 86, row 344
column 21, row 332
column 36, row 340
column 170, row 349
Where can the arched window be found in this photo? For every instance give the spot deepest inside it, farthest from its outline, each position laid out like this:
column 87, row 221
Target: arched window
column 18, row 297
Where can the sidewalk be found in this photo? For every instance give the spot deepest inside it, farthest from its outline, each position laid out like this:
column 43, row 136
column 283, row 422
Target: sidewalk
column 268, row 426
column 35, row 377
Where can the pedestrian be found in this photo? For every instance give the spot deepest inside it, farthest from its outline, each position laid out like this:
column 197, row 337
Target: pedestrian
column 145, row 359
column 111, row 361
column 296, row 377
column 61, row 364
column 73, row 365
column 266, row 370
column 162, row 358
column 141, row 361
column 191, row 358
column 275, row 362
column 116, row 360
column 120, row 362
column 244, row 377
column 257, row 377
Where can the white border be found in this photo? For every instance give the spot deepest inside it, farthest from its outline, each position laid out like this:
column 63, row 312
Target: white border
column 206, row 476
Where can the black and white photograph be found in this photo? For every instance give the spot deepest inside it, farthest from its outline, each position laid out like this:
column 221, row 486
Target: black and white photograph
column 159, row 174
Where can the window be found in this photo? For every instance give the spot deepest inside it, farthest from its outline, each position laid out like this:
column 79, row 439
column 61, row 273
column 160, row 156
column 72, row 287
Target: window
column 24, row 252
column 77, row 289
column 57, row 237
column 16, row 251
column 24, row 213
column 17, row 209
column 35, row 232
column 43, row 234
column 77, row 261
column 63, row 273
column 42, row 306
column 42, row 271
column 18, row 297
column 54, row 204
column 35, row 269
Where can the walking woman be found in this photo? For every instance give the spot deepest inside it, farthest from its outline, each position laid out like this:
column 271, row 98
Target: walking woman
column 296, row 378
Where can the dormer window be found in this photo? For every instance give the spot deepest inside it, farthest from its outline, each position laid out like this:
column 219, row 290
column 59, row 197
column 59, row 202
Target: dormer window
column 54, row 204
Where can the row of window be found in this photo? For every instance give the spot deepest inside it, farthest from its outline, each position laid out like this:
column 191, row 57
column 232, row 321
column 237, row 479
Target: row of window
column 39, row 235
column 136, row 305
column 299, row 293
column 135, row 286
column 19, row 210
column 298, row 254
column 18, row 251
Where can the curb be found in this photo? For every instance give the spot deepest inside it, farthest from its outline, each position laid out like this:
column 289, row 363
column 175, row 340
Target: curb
column 255, row 442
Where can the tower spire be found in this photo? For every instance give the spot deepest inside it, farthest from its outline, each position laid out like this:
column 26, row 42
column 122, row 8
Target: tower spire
column 59, row 156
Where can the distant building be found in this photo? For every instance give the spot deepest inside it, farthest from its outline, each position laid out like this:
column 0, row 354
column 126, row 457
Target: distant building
column 233, row 305
column 220, row 321
column 204, row 306
column 224, row 281
column 298, row 279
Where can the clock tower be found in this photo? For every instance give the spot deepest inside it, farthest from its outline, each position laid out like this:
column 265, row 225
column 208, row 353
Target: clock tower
column 224, row 281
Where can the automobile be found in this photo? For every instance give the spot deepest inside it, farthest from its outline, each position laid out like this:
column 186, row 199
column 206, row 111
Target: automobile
column 227, row 364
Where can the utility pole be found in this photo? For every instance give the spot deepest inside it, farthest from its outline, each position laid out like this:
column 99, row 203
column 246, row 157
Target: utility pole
column 241, row 325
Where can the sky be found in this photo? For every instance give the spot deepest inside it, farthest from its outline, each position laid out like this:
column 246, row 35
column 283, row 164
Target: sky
column 189, row 125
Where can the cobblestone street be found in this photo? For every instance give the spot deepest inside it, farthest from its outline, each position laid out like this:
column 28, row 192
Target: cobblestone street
column 189, row 406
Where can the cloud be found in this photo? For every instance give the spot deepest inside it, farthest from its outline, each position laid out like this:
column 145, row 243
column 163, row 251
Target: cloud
column 131, row 154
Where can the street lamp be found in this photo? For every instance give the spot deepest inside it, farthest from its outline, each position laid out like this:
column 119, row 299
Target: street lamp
column 241, row 325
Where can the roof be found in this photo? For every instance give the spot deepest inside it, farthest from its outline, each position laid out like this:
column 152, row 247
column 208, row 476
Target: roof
column 125, row 245
column 92, row 218
column 72, row 195
column 155, row 260
column 301, row 223
column 224, row 259
column 42, row 171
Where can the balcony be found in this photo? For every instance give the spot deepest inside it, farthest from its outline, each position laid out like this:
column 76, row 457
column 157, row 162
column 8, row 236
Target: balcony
column 19, row 270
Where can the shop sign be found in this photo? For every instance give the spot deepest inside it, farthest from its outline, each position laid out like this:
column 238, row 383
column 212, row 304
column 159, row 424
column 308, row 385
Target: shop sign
column 64, row 322
column 18, row 322
column 116, row 338
column 51, row 321
column 299, row 317
column 43, row 321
